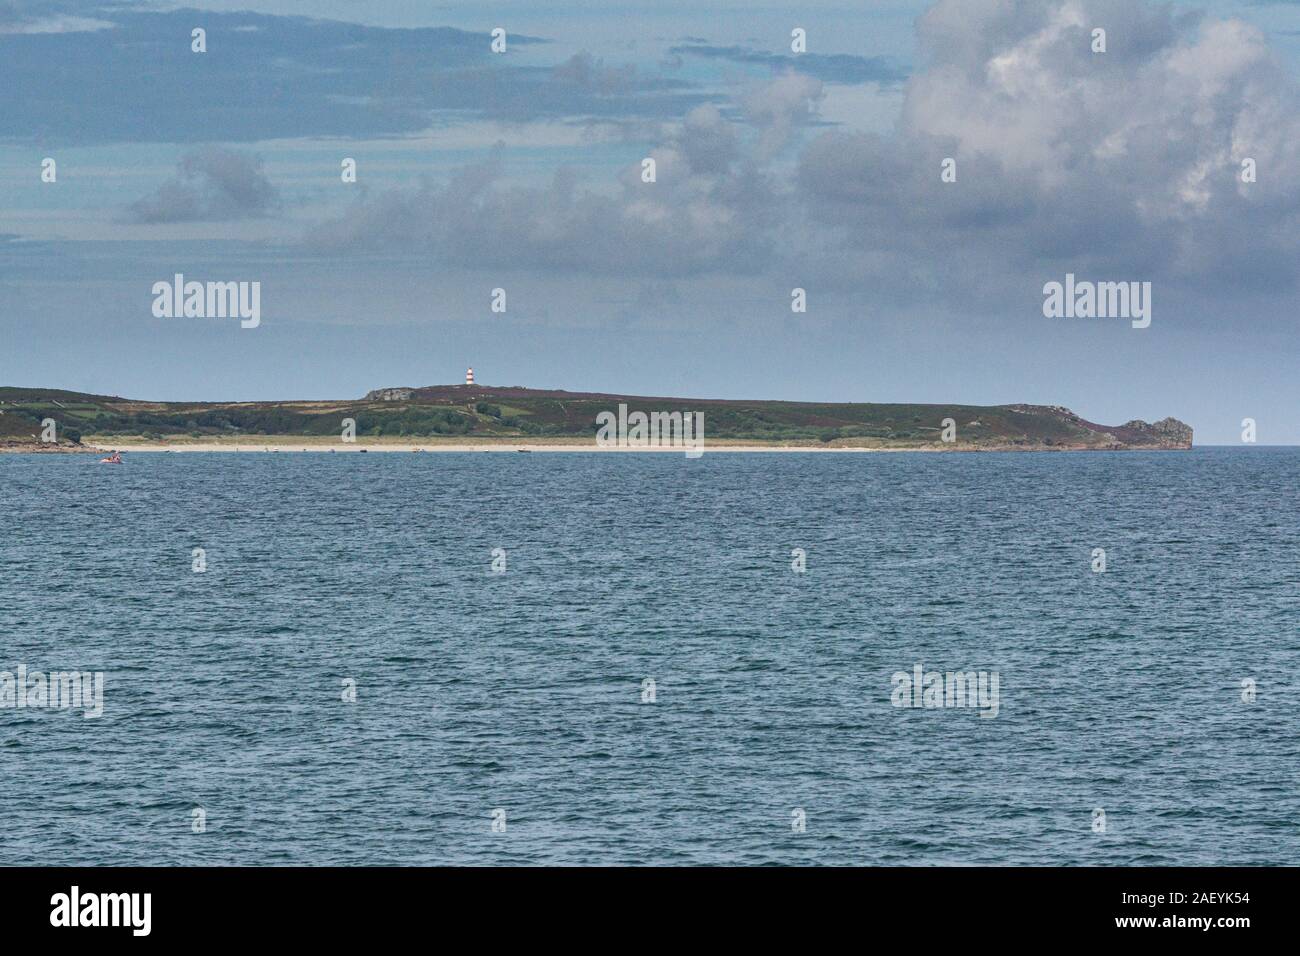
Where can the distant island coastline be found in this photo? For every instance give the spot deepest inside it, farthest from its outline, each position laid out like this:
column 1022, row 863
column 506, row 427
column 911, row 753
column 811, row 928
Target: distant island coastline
column 482, row 417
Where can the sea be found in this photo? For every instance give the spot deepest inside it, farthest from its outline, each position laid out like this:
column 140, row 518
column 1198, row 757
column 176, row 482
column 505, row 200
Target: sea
column 622, row 659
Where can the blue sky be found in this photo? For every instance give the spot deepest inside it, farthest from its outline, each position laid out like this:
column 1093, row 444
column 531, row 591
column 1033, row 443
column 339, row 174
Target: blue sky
column 820, row 170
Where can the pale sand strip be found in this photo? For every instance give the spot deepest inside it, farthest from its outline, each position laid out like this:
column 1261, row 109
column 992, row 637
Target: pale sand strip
column 299, row 447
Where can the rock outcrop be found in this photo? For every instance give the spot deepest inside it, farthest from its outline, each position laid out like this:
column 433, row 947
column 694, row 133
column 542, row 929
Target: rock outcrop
column 390, row 395
column 1167, row 431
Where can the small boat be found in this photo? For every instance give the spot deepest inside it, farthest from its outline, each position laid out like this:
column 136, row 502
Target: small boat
column 113, row 459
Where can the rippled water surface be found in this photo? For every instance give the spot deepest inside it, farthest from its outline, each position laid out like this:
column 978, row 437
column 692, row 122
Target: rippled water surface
column 523, row 690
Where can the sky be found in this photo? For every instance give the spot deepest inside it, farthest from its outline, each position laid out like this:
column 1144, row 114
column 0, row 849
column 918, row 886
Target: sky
column 775, row 169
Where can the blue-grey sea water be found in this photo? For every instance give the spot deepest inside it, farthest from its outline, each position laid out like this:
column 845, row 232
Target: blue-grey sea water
column 522, row 691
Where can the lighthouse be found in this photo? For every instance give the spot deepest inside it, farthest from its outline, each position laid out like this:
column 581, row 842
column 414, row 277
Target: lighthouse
column 469, row 376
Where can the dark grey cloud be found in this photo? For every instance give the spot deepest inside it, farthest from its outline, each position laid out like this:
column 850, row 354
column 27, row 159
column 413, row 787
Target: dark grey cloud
column 832, row 68
column 708, row 143
column 584, row 72
column 580, row 88
column 51, row 16
column 267, row 77
column 211, row 183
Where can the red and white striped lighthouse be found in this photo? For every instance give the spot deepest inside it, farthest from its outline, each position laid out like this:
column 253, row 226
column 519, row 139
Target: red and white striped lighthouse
column 469, row 376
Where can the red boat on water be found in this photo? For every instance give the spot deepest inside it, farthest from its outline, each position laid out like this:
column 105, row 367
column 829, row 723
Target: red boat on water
column 113, row 459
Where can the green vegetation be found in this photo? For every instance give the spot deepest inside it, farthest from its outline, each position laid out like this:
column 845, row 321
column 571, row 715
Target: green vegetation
column 485, row 412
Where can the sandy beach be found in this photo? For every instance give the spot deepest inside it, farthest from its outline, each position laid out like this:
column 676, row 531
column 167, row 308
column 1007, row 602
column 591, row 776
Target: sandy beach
column 299, row 444
column 333, row 446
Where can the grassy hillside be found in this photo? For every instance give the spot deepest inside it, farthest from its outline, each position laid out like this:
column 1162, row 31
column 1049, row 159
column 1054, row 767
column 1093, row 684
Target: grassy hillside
column 484, row 412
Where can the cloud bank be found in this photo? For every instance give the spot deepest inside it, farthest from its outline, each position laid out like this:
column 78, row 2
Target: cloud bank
column 1127, row 164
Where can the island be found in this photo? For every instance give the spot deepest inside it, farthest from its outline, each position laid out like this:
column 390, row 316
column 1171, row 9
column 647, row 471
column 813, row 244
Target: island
column 483, row 417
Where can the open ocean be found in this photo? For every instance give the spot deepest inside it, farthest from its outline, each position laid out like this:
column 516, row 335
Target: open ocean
column 523, row 691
